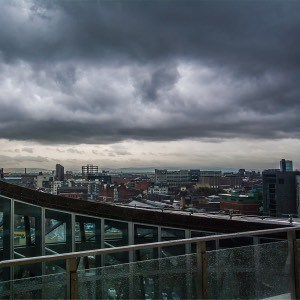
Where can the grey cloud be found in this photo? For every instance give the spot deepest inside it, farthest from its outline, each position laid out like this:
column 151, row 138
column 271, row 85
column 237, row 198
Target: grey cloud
column 59, row 150
column 28, row 150
column 236, row 34
column 161, row 79
column 119, row 149
column 104, row 72
column 76, row 133
column 74, row 151
column 65, row 77
column 19, row 159
column 12, row 151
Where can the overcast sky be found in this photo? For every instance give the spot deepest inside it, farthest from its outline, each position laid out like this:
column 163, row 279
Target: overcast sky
column 184, row 84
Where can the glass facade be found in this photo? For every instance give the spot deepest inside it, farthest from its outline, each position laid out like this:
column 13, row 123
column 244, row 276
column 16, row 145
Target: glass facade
column 169, row 234
column 143, row 235
column 115, row 235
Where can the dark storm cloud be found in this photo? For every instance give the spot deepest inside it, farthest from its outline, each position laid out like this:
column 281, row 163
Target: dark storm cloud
column 256, row 34
column 160, row 79
column 102, row 72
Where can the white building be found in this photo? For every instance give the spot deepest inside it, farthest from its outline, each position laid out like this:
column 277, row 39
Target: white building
column 44, row 180
column 158, row 190
column 172, row 178
column 55, row 186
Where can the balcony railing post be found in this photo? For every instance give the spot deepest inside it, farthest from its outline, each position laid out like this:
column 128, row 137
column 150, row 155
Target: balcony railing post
column 256, row 256
column 293, row 253
column 203, row 270
column 131, row 259
column 72, row 279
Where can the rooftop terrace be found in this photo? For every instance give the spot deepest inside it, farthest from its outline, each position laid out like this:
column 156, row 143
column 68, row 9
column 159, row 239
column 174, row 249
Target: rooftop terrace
column 55, row 247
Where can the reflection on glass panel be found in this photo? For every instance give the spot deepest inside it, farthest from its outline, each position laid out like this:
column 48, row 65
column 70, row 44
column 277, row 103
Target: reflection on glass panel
column 210, row 245
column 27, row 238
column 40, row 287
column 27, row 271
column 6, row 231
column 109, row 282
column 19, row 230
column 55, row 231
column 87, row 233
column 168, row 278
column 58, row 232
column 258, row 272
column 87, row 237
column 115, row 235
column 235, row 242
column 55, row 267
column 168, row 234
column 1, row 230
column 142, row 235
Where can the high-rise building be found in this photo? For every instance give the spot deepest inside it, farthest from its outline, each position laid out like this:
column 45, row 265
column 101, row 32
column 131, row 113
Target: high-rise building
column 286, row 165
column 60, row 172
column 89, row 170
column 1, row 173
column 279, row 192
column 298, row 194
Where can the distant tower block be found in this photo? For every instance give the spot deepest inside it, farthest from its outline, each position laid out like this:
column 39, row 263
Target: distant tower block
column 286, row 165
column 1, row 173
column 89, row 170
column 60, row 172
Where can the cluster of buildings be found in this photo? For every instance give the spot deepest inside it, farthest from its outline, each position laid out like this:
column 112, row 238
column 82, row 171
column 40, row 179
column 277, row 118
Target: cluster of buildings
column 275, row 192
column 281, row 194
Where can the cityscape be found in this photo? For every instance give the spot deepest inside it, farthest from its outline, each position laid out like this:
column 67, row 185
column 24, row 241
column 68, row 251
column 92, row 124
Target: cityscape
column 149, row 149
column 273, row 192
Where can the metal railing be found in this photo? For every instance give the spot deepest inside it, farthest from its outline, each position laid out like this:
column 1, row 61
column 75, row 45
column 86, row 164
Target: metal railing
column 202, row 262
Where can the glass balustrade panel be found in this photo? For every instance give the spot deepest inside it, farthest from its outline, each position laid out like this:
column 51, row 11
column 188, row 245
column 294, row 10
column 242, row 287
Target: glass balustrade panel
column 166, row 278
column 39, row 287
column 258, row 271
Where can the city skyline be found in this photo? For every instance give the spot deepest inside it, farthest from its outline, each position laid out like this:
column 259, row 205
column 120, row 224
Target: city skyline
column 184, row 84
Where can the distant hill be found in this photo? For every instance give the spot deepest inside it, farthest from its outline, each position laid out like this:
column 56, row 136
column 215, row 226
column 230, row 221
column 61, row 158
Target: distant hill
column 28, row 170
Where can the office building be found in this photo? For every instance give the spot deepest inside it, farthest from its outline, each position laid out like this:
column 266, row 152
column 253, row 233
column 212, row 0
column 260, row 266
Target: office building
column 59, row 172
column 44, row 181
column 298, row 194
column 89, row 170
column 279, row 192
column 286, row 165
column 172, row 178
